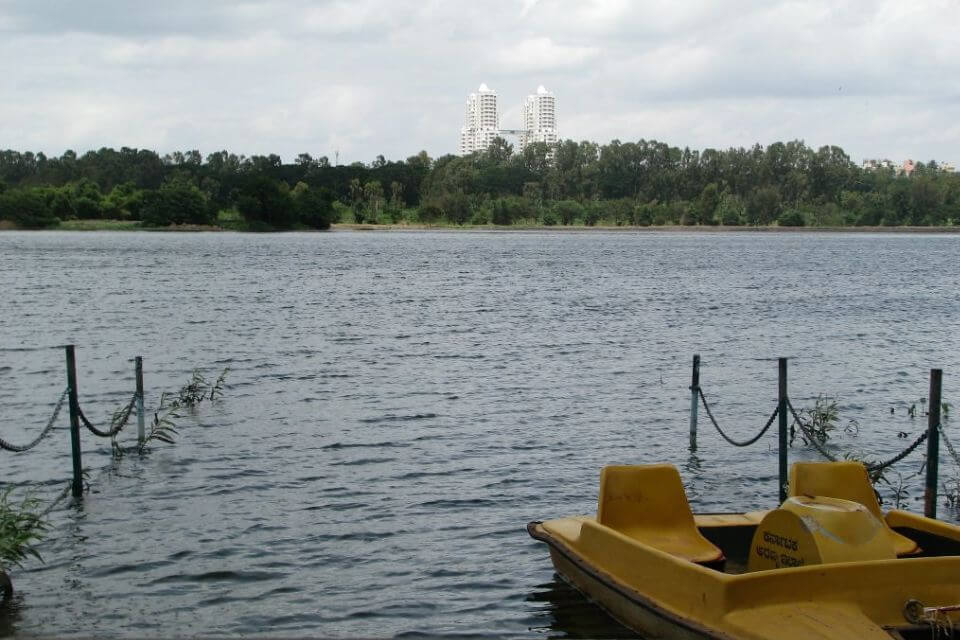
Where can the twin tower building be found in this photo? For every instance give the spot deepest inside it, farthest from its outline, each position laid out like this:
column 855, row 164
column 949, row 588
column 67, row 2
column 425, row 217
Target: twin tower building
column 482, row 123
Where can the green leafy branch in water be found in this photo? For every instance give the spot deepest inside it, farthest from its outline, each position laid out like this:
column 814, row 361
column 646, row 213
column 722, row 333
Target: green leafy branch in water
column 912, row 410
column 199, row 389
column 163, row 427
column 21, row 526
column 821, row 422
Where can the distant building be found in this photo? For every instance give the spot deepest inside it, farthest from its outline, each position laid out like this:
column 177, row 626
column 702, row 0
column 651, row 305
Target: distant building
column 906, row 168
column 539, row 118
column 482, row 122
column 874, row 164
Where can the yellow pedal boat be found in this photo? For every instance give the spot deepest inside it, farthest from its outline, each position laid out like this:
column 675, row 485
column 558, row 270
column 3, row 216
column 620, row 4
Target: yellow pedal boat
column 828, row 563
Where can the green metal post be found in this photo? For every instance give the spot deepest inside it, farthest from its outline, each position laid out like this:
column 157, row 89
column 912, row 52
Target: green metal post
column 694, row 401
column 782, row 418
column 141, row 435
column 77, row 486
column 933, row 444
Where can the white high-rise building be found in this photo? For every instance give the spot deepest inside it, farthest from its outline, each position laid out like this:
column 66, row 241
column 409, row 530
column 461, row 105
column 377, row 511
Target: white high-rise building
column 482, row 122
column 539, row 118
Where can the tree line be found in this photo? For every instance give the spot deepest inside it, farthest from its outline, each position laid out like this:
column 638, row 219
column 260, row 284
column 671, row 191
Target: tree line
column 619, row 183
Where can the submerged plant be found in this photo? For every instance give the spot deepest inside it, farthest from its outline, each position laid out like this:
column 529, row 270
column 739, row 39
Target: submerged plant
column 199, row 389
column 163, row 428
column 21, row 527
column 820, row 422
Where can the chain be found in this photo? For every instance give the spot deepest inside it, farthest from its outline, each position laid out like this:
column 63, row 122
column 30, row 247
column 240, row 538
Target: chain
column 116, row 426
column 880, row 466
column 43, row 434
column 56, row 501
column 946, row 441
column 736, row 443
column 872, row 468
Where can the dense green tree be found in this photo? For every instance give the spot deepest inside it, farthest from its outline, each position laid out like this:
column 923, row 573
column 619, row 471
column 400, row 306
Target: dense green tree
column 314, row 207
column 26, row 208
column 175, row 203
column 374, row 199
column 264, row 204
column 622, row 182
column 763, row 205
column 707, row 203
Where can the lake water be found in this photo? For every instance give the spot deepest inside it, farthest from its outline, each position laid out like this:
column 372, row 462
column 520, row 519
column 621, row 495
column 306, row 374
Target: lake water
column 400, row 405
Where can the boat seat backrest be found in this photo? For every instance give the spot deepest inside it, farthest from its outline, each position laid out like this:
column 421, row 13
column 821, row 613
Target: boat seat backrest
column 645, row 496
column 846, row 480
column 649, row 504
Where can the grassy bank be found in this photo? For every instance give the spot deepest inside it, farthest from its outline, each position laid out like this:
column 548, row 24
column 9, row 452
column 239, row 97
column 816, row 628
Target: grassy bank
column 232, row 221
column 636, row 229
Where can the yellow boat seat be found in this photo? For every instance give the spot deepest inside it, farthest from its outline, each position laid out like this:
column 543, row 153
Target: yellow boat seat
column 848, row 481
column 648, row 503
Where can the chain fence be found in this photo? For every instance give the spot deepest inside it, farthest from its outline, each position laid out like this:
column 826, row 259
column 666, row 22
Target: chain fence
column 815, row 441
column 119, row 421
column 7, row 446
column 736, row 443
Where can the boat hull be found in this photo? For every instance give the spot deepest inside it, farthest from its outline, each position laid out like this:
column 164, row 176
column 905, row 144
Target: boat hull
column 625, row 605
column 661, row 596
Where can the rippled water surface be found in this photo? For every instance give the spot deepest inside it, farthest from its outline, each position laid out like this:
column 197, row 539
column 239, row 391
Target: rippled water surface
column 400, row 405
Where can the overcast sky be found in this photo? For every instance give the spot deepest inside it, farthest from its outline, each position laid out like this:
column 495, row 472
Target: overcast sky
column 369, row 77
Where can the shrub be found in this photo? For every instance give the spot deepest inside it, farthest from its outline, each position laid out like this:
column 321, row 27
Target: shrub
column 501, row 213
column 591, row 216
column 792, row 218
column 731, row 210
column 429, row 212
column 568, row 211
column 456, row 207
column 21, row 527
column 87, row 208
column 480, row 216
column 643, row 214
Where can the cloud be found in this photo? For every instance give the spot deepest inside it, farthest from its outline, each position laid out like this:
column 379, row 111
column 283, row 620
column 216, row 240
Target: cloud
column 542, row 54
column 389, row 77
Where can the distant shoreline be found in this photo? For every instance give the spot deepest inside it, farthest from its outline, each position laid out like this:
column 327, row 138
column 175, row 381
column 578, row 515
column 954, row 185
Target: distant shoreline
column 118, row 225
column 626, row 228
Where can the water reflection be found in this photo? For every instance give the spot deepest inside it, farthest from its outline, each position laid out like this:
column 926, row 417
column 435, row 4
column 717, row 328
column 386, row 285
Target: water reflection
column 693, row 463
column 570, row 615
column 10, row 614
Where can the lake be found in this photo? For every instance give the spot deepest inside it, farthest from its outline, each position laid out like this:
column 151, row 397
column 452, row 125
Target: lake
column 401, row 404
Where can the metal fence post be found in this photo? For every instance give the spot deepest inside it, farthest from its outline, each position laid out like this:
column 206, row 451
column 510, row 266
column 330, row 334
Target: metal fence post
column 782, row 419
column 141, row 434
column 77, row 485
column 933, row 444
column 694, row 401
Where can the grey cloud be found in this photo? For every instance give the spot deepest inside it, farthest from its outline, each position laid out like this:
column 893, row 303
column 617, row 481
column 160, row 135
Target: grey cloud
column 377, row 76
